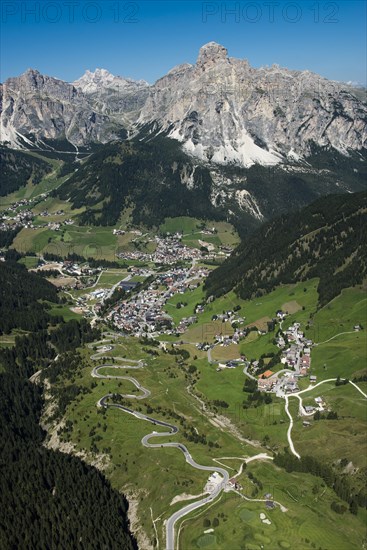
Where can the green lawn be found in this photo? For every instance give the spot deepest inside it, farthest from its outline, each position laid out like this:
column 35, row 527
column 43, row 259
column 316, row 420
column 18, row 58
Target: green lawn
column 340, row 315
column 29, row 261
column 65, row 312
column 184, row 224
column 96, row 242
column 345, row 356
column 112, row 277
column 335, row 439
column 308, row 523
column 190, row 297
column 191, row 228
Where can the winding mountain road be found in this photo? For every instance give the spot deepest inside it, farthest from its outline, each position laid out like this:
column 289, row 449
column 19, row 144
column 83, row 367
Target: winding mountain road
column 96, row 374
column 214, row 490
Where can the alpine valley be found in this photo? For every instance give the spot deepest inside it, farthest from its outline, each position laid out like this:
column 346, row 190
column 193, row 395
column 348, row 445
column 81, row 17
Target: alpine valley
column 183, row 310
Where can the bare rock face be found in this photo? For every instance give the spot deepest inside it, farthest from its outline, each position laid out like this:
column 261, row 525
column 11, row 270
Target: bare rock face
column 119, row 98
column 44, row 107
column 221, row 109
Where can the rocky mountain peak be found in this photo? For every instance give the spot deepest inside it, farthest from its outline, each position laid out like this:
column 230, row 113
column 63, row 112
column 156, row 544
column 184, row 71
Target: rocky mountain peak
column 212, row 53
column 95, row 81
column 221, row 110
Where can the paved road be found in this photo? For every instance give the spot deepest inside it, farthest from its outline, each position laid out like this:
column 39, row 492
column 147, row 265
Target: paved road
column 215, row 489
column 145, row 392
column 209, row 354
column 245, row 371
column 358, row 388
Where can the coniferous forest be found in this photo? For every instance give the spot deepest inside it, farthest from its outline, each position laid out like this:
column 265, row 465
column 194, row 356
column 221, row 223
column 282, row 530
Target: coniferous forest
column 326, row 240
column 47, row 499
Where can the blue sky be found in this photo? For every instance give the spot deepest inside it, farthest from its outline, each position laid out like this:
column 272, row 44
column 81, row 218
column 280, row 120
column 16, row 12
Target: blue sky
column 144, row 39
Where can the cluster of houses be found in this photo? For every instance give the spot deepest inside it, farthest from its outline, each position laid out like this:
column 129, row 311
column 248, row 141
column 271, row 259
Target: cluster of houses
column 296, row 358
column 45, row 213
column 144, row 313
column 297, row 355
column 169, row 250
column 12, row 209
column 22, row 218
column 19, row 214
column 185, row 323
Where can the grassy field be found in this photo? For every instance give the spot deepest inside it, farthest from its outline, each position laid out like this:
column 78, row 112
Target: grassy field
column 301, row 299
column 29, row 261
column 345, row 353
column 340, row 315
column 308, row 522
column 133, row 468
column 190, row 297
column 253, row 423
column 65, row 312
column 111, row 277
column 96, row 242
column 53, row 205
column 345, row 356
column 183, row 224
column 336, row 439
column 191, row 228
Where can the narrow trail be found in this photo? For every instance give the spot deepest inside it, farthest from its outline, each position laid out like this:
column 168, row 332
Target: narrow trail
column 302, row 410
column 335, row 336
column 289, row 431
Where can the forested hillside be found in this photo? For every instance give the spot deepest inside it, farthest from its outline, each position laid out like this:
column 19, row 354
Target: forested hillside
column 47, row 499
column 21, row 293
column 153, row 176
column 326, row 239
column 147, row 177
column 18, row 168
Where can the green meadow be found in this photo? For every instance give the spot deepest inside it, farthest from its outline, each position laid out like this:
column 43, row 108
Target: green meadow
column 133, row 468
column 248, row 431
column 335, row 439
column 308, row 522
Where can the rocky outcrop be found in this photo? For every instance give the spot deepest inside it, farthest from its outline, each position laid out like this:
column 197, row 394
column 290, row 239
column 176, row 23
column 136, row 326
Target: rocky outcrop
column 221, row 109
column 39, row 107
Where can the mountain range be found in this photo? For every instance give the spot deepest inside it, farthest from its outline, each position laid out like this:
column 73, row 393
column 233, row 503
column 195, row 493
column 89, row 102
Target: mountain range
column 220, row 109
column 248, row 143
